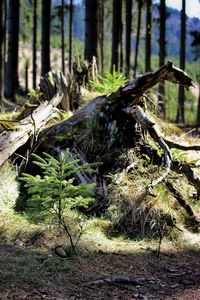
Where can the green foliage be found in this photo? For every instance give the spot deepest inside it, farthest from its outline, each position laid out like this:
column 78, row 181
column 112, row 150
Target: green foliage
column 54, row 196
column 109, row 83
column 34, row 95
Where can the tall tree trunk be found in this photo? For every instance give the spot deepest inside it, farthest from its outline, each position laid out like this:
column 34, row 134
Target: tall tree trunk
column 63, row 35
column 198, row 109
column 101, row 35
column 34, row 44
column 2, row 41
column 148, row 36
column 128, row 35
column 140, row 3
column 116, row 32
column 70, row 34
column 91, row 27
column 162, row 56
column 180, row 117
column 46, row 19
column 121, row 47
column 11, row 85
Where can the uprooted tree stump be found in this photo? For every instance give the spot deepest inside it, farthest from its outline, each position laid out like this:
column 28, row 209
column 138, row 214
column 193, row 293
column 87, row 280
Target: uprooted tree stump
column 100, row 130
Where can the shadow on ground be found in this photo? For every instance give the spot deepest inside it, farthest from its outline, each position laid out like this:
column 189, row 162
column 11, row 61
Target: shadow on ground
column 28, row 273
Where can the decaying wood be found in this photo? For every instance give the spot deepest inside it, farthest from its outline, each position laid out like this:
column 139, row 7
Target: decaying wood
column 104, row 109
column 19, row 133
column 127, row 95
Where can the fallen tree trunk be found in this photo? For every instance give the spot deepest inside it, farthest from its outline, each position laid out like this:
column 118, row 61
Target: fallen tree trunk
column 105, row 112
column 106, row 107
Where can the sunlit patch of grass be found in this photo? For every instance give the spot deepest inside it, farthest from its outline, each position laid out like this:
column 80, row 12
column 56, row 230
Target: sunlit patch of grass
column 8, row 187
column 14, row 225
column 9, row 115
column 38, row 268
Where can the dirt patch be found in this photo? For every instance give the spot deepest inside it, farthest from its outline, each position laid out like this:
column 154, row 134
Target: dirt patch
column 38, row 274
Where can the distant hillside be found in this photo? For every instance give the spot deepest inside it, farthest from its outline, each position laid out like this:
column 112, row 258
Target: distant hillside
column 173, row 24
column 172, row 29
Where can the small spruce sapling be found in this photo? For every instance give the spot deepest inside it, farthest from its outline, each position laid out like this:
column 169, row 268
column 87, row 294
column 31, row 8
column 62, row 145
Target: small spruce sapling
column 54, row 196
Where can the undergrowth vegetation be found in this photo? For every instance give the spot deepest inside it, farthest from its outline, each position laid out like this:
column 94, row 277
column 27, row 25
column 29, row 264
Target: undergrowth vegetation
column 109, row 83
column 55, row 196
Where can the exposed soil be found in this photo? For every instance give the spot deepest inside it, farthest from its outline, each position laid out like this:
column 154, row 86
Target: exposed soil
column 139, row 274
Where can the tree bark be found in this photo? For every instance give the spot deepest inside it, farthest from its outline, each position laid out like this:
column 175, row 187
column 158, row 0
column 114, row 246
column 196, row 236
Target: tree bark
column 162, row 56
column 34, row 44
column 116, row 32
column 140, row 3
column 2, row 41
column 91, row 27
column 148, row 36
column 129, row 4
column 70, row 34
column 101, row 36
column 63, row 35
column 11, row 85
column 46, row 19
column 180, row 118
column 198, row 108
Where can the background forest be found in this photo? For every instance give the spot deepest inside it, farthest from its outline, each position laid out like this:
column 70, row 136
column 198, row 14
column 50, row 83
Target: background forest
column 99, row 150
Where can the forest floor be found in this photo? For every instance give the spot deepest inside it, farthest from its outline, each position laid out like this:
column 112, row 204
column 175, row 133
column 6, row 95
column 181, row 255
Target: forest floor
column 106, row 268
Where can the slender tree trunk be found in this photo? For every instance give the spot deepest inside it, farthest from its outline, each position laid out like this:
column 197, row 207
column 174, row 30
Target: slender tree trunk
column 63, row 35
column 34, row 44
column 101, row 35
column 26, row 76
column 148, row 36
column 11, row 85
column 46, row 18
column 70, row 34
column 2, row 47
column 129, row 4
column 116, row 32
column 198, row 109
column 91, row 27
column 140, row 3
column 180, row 117
column 162, row 56
column 121, row 47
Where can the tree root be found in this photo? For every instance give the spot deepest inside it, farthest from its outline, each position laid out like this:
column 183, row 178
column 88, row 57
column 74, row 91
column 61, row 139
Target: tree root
column 182, row 147
column 184, row 168
column 142, row 119
column 177, row 195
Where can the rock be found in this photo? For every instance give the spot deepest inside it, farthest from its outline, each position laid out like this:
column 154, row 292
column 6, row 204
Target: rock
column 60, row 252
